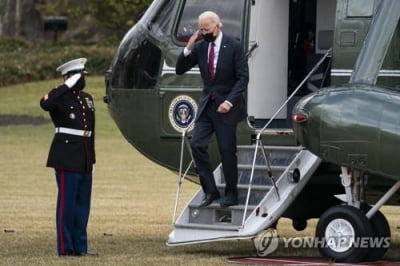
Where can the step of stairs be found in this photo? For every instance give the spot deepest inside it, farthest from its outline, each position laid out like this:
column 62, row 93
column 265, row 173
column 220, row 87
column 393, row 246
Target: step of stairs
column 209, row 226
column 278, row 155
column 260, row 176
column 258, row 193
column 215, row 214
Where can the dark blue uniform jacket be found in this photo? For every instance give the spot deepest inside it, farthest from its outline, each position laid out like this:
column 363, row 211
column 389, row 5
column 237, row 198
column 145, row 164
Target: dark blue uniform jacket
column 75, row 110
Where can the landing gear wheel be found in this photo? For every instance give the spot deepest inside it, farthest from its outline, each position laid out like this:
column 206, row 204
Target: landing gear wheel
column 340, row 231
column 380, row 233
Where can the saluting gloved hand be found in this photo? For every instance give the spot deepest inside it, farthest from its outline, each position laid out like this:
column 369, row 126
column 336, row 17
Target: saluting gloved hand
column 71, row 81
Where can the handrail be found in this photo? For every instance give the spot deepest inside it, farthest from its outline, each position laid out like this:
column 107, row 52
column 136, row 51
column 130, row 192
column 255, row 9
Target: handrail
column 181, row 176
column 259, row 142
column 295, row 91
column 251, row 50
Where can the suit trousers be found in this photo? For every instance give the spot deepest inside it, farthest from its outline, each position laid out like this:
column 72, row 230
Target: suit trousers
column 73, row 206
column 209, row 122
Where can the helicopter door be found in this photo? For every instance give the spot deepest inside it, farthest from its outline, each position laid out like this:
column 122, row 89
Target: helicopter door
column 179, row 94
column 268, row 63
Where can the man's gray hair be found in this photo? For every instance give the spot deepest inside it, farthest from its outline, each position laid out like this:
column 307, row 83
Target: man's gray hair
column 211, row 15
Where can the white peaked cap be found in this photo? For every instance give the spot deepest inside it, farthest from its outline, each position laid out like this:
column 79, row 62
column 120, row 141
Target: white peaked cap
column 76, row 64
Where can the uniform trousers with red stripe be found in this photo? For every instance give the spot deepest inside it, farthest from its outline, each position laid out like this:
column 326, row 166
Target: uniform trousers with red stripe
column 73, row 207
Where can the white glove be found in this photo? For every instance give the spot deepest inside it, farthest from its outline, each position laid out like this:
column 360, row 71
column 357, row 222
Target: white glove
column 71, row 81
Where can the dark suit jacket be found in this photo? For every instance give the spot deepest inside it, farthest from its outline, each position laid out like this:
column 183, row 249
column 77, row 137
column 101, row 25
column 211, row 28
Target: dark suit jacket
column 70, row 152
column 231, row 75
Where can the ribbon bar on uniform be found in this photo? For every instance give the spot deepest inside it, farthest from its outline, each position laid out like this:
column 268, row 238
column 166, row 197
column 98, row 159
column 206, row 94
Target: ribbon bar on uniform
column 72, row 131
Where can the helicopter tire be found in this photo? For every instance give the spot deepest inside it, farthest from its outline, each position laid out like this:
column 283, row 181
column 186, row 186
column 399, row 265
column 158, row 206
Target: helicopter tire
column 340, row 230
column 380, row 233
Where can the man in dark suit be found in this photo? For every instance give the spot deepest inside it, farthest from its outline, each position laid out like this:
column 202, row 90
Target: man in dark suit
column 72, row 155
column 224, row 70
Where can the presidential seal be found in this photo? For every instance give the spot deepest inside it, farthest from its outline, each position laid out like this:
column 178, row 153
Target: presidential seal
column 182, row 113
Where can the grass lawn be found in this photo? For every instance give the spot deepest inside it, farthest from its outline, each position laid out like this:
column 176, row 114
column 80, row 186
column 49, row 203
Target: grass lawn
column 132, row 200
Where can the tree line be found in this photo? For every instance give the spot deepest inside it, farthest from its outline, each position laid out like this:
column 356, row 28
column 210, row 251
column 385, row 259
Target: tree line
column 91, row 20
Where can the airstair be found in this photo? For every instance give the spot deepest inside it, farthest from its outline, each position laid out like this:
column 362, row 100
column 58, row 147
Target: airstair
column 266, row 197
column 269, row 179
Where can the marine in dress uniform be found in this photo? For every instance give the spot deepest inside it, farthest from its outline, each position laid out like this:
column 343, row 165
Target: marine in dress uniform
column 72, row 155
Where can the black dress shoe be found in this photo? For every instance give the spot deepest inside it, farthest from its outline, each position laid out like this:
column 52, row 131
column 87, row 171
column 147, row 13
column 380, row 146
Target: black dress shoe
column 208, row 199
column 67, row 254
column 229, row 201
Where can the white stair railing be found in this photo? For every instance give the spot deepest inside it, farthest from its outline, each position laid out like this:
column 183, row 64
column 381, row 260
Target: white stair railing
column 259, row 142
column 181, row 177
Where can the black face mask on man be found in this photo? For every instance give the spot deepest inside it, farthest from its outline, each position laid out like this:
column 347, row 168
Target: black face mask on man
column 209, row 37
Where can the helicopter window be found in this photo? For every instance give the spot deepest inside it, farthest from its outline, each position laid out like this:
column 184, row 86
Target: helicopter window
column 356, row 8
column 230, row 11
column 161, row 20
column 137, row 68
